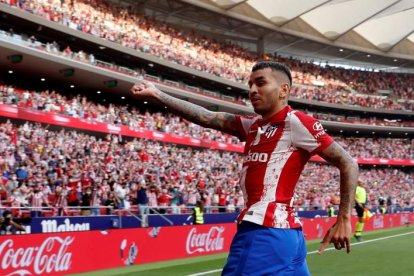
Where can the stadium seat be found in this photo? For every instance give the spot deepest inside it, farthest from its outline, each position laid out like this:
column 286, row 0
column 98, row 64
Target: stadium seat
column 47, row 213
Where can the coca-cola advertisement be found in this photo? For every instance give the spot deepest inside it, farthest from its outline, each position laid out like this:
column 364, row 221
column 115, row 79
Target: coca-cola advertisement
column 199, row 241
column 317, row 227
column 74, row 252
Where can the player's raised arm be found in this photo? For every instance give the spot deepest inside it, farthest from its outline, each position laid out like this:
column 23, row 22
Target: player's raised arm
column 222, row 121
column 339, row 234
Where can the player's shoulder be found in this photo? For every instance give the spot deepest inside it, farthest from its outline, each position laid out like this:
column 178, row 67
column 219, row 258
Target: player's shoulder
column 300, row 117
column 300, row 120
column 248, row 119
column 300, row 114
column 253, row 117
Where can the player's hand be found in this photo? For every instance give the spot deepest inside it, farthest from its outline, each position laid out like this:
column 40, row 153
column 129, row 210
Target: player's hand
column 339, row 234
column 144, row 89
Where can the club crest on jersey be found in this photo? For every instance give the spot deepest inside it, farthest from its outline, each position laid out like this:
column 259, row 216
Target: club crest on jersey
column 270, row 131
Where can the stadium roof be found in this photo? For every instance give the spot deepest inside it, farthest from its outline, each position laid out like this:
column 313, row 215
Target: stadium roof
column 369, row 33
column 378, row 24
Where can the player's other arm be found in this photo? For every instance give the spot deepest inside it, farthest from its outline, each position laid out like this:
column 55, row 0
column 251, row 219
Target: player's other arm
column 340, row 232
column 348, row 169
column 221, row 121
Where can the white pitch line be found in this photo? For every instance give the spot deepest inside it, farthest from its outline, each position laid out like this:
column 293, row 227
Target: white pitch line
column 316, row 251
column 368, row 241
column 207, row 272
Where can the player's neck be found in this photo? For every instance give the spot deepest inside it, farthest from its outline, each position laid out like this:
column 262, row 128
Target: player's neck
column 273, row 112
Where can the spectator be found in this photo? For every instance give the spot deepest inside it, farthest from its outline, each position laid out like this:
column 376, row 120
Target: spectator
column 8, row 225
column 86, row 201
column 142, row 199
column 38, row 201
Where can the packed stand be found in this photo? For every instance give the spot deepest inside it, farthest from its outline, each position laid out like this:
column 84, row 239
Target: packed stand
column 355, row 119
column 389, row 148
column 69, row 172
column 10, row 93
column 229, row 61
column 318, row 188
column 80, row 107
column 331, row 94
column 343, row 97
column 72, row 169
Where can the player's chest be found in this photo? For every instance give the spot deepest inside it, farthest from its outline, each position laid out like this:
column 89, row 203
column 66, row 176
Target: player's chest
column 268, row 138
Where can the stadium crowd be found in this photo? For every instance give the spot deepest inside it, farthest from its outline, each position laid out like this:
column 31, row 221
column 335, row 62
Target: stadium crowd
column 318, row 187
column 81, row 107
column 134, row 30
column 62, row 169
column 355, row 119
column 52, row 101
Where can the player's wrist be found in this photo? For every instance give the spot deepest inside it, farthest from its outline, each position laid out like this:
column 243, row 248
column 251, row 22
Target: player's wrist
column 160, row 96
column 344, row 215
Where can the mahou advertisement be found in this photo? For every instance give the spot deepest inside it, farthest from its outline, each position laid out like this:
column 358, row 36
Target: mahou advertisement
column 75, row 252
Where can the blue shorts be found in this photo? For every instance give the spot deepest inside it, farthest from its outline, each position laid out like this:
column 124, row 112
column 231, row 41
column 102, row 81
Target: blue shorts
column 259, row 250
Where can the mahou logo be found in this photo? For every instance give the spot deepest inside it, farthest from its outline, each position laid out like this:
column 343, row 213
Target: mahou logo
column 205, row 242
column 50, row 256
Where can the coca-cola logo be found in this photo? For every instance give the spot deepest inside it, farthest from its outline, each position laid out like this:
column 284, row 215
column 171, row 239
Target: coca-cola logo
column 378, row 222
column 319, row 228
column 205, row 242
column 404, row 219
column 50, row 256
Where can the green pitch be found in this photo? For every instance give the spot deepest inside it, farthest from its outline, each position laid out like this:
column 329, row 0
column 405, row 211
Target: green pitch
column 385, row 252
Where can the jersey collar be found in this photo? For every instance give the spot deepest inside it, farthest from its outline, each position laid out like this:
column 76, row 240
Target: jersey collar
column 277, row 118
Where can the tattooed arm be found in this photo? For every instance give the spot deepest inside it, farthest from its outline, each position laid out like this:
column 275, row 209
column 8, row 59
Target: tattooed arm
column 194, row 113
column 339, row 233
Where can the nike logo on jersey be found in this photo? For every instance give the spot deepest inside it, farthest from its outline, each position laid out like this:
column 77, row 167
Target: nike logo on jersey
column 258, row 134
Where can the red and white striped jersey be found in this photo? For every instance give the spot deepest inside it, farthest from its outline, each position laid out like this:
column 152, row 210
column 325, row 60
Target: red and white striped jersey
column 275, row 153
column 37, row 199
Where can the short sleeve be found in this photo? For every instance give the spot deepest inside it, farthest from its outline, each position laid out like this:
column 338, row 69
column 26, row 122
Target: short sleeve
column 243, row 125
column 308, row 133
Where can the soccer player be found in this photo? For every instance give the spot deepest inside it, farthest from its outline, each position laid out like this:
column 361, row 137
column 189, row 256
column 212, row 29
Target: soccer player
column 279, row 142
column 360, row 200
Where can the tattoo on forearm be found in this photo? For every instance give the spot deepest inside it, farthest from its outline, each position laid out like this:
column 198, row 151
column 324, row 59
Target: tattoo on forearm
column 197, row 114
column 337, row 156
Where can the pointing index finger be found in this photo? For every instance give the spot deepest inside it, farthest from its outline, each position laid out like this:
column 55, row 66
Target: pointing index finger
column 323, row 247
column 348, row 246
